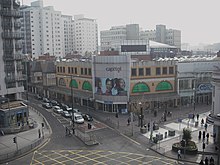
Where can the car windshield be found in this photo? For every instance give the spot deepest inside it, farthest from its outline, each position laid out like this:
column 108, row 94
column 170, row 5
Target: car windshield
column 78, row 117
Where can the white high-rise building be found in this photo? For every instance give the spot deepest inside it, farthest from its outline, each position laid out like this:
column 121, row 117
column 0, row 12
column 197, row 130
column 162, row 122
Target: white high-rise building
column 42, row 30
column 85, row 35
column 68, row 33
column 11, row 78
column 48, row 31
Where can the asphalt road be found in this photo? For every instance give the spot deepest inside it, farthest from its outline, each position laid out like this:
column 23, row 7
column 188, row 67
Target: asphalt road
column 62, row 149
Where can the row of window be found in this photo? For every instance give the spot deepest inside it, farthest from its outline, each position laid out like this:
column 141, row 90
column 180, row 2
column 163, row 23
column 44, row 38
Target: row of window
column 148, row 71
column 73, row 70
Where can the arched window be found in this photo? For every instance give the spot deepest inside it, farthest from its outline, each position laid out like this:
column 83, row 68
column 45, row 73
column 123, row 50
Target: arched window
column 73, row 84
column 163, row 86
column 62, row 82
column 140, row 87
column 87, row 86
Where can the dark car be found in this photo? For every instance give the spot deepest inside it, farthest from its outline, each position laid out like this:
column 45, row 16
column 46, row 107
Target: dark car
column 54, row 103
column 87, row 117
column 64, row 106
column 66, row 114
column 47, row 105
column 46, row 100
column 38, row 97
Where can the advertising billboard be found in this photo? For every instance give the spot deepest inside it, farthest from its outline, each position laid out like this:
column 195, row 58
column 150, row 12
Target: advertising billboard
column 111, row 77
column 110, row 86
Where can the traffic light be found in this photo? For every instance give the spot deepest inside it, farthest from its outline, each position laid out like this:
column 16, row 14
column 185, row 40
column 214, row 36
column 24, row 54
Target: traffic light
column 42, row 124
column 203, row 146
column 15, row 139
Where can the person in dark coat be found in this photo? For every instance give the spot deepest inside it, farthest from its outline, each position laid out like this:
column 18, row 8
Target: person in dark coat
column 206, row 161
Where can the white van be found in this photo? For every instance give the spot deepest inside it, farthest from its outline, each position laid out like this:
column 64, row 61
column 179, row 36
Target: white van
column 78, row 118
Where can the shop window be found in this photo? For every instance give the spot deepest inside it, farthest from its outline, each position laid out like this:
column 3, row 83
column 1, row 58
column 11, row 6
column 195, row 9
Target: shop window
column 90, row 71
column 141, row 71
column 73, row 83
column 171, row 71
column 87, row 86
column 158, row 71
column 164, row 85
column 164, row 70
column 148, row 71
column 140, row 87
column 133, row 72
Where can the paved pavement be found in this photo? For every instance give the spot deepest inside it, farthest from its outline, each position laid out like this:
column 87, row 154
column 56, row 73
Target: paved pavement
column 30, row 139
column 164, row 147
column 27, row 140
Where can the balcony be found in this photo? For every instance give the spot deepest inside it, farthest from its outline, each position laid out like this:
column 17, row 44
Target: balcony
column 8, row 47
column 6, row 3
column 11, row 13
column 11, row 35
column 9, row 68
column 18, row 46
column 20, row 78
column 17, row 25
column 18, row 57
column 20, row 67
column 8, row 57
column 6, row 25
column 9, row 79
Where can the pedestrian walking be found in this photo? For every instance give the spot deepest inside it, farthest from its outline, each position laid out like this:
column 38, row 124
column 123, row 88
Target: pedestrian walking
column 148, row 126
column 212, row 161
column 206, row 125
column 207, row 136
column 197, row 116
column 39, row 133
column 202, row 121
column 214, row 136
column 129, row 120
column 179, row 154
column 200, row 135
column 203, row 135
column 201, row 162
column 206, row 161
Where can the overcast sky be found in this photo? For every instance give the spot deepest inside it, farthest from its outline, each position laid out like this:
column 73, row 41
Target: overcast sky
column 198, row 20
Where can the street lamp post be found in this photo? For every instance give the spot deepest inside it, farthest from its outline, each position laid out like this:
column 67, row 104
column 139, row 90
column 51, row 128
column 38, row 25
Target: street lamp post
column 73, row 122
column 141, row 118
column 194, row 99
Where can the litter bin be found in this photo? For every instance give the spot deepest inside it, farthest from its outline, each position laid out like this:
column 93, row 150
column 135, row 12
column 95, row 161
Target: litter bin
column 143, row 130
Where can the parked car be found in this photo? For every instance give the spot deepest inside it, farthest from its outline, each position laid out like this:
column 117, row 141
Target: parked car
column 38, row 97
column 54, row 102
column 66, row 114
column 87, row 117
column 64, row 106
column 55, row 108
column 46, row 100
column 47, row 105
column 78, row 118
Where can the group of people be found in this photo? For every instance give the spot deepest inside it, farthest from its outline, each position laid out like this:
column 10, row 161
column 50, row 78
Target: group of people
column 114, row 86
column 207, row 161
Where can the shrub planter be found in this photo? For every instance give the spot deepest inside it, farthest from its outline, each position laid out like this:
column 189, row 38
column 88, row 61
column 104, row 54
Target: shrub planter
column 190, row 149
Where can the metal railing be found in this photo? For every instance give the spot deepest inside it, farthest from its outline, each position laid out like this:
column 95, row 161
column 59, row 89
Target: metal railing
column 19, row 152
